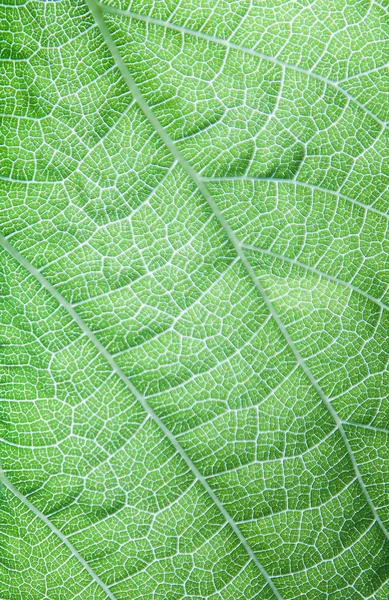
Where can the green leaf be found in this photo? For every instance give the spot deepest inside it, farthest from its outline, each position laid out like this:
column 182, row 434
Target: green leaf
column 195, row 275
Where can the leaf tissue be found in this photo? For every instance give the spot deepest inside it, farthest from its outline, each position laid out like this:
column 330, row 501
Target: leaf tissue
column 195, row 300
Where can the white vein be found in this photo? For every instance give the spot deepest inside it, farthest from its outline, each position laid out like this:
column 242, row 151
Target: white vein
column 317, row 272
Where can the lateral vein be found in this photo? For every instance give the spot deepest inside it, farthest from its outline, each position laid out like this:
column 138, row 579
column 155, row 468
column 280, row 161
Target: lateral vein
column 318, row 272
column 304, row 184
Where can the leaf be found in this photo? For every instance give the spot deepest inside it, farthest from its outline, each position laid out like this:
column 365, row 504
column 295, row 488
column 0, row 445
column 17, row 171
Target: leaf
column 195, row 309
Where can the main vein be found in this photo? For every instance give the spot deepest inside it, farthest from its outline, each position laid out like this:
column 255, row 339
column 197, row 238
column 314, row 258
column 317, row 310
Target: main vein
column 95, row 8
column 96, row 12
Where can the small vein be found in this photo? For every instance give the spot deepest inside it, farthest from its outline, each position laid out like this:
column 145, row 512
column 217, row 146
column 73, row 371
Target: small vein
column 8, row 484
column 366, row 426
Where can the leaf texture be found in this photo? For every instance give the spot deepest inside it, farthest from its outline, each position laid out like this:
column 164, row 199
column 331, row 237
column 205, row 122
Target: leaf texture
column 194, row 320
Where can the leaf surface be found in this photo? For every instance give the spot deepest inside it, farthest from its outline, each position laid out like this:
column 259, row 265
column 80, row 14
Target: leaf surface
column 195, row 309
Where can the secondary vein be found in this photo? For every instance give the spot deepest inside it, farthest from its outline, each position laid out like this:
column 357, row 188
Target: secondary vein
column 304, row 184
column 318, row 272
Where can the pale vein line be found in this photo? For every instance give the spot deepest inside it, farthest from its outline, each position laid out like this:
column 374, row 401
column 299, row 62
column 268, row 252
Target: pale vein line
column 149, row 410
column 240, row 48
column 365, row 426
column 7, row 483
column 364, row 73
column 95, row 9
column 297, row 263
column 295, row 182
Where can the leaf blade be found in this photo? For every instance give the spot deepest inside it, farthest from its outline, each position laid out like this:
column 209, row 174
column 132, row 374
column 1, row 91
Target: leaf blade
column 203, row 324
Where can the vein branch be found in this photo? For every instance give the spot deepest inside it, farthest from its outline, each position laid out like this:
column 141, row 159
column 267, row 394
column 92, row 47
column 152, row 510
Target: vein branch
column 318, row 272
column 305, row 184
column 8, row 484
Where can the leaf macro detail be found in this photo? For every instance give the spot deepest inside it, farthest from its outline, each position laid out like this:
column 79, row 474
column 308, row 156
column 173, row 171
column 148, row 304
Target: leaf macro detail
column 194, row 322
